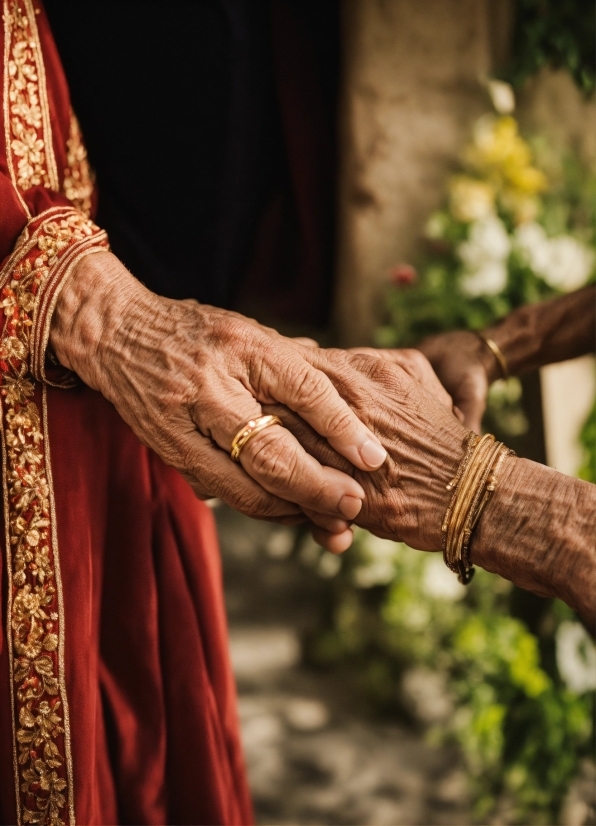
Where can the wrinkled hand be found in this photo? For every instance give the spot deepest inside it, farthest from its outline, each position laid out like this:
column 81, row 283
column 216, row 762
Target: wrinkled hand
column 406, row 498
column 415, row 365
column 466, row 368
column 187, row 377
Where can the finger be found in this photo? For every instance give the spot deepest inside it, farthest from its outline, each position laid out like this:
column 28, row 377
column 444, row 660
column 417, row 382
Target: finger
column 334, row 543
column 470, row 398
column 290, row 376
column 309, row 438
column 328, row 523
column 472, row 411
column 275, row 459
column 321, row 450
column 211, row 472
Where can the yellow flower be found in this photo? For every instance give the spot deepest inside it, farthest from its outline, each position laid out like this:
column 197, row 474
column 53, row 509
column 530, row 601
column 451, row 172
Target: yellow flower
column 500, row 155
column 526, row 179
column 471, row 200
column 523, row 208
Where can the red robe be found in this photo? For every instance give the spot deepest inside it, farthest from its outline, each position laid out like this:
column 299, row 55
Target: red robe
column 117, row 702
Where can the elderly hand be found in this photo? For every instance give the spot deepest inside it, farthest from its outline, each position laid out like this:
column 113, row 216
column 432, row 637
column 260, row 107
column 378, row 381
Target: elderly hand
column 406, row 498
column 466, row 368
column 526, row 533
column 187, row 377
column 529, row 337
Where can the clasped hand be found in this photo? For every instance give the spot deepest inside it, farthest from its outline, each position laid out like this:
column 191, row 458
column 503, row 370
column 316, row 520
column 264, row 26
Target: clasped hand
column 186, row 377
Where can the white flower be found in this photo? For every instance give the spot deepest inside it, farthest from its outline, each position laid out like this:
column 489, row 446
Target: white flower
column 563, row 262
column 439, row 582
column 576, row 657
column 487, row 241
column 489, row 279
column 569, row 265
column 484, row 256
column 502, row 97
column 533, row 245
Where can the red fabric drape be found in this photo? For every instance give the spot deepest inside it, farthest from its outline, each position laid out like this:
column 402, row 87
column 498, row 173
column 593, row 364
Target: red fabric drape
column 152, row 698
column 120, row 642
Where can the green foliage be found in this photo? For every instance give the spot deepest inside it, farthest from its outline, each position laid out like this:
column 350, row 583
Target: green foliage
column 518, row 228
column 587, row 440
column 557, row 33
column 521, row 731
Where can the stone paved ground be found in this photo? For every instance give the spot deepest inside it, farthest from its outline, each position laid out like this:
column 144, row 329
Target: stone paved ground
column 314, row 755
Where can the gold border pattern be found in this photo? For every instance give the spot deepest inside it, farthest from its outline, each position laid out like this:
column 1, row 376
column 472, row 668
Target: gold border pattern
column 78, row 176
column 35, row 611
column 26, row 102
column 30, row 281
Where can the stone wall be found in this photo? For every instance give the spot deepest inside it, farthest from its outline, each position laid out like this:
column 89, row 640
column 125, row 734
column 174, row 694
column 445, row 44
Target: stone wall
column 411, row 92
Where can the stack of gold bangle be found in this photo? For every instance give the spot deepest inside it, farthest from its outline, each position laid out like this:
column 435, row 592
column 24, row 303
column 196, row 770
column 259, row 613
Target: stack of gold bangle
column 472, row 486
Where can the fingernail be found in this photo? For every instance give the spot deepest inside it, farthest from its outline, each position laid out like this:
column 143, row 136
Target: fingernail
column 373, row 454
column 349, row 506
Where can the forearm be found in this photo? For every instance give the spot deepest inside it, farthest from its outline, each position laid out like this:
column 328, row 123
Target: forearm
column 539, row 532
column 552, row 331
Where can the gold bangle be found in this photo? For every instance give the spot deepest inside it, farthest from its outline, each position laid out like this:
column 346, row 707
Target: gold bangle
column 249, row 430
column 473, row 486
column 497, row 353
column 465, row 498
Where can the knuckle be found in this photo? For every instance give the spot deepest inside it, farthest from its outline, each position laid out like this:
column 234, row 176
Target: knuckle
column 309, row 385
column 339, row 422
column 416, row 358
column 234, row 333
column 271, row 460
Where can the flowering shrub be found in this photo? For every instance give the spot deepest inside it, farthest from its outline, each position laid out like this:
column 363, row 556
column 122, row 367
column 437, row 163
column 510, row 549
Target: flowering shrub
column 519, row 706
column 509, row 235
column 464, row 662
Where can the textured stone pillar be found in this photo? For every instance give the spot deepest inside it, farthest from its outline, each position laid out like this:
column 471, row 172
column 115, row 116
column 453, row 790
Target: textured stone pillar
column 410, row 96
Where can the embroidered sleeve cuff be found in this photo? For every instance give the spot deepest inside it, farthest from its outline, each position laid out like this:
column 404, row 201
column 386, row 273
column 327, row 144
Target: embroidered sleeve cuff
column 30, row 282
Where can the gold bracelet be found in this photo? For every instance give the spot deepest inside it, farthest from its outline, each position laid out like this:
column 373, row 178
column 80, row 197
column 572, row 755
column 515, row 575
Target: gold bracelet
column 473, row 485
column 464, row 500
column 497, row 353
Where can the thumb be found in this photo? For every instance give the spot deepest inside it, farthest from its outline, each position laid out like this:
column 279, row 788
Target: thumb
column 472, row 411
column 470, row 398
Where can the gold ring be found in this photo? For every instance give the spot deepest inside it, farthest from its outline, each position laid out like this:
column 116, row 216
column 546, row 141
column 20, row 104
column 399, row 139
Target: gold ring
column 249, row 430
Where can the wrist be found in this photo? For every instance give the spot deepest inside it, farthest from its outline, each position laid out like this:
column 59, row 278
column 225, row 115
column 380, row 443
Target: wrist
column 90, row 312
column 517, row 339
column 537, row 531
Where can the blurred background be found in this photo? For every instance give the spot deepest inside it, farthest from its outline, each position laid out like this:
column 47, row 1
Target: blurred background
column 451, row 150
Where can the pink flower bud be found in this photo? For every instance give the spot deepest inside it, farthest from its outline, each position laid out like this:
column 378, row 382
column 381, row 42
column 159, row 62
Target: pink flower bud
column 402, row 275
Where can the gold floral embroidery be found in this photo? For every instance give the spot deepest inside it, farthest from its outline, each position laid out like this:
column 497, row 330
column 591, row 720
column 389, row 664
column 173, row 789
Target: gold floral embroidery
column 35, row 613
column 78, row 177
column 30, row 136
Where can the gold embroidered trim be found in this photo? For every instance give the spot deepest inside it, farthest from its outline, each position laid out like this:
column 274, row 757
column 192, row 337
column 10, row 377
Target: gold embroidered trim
column 7, row 20
column 78, row 177
column 30, row 136
column 35, row 612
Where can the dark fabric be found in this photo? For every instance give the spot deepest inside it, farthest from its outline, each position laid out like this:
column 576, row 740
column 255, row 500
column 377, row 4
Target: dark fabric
column 211, row 128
